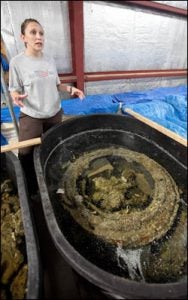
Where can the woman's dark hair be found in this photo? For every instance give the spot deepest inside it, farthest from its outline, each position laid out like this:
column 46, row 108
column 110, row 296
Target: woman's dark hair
column 26, row 22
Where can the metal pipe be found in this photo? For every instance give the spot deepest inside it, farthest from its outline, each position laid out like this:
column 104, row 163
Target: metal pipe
column 9, row 101
column 114, row 75
column 155, row 6
column 100, row 76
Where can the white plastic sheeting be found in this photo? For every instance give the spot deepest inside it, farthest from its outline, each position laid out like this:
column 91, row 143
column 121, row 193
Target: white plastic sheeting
column 121, row 38
column 129, row 85
column 53, row 16
column 178, row 4
column 124, row 38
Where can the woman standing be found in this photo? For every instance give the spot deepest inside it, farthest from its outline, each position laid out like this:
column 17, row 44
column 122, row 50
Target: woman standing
column 34, row 85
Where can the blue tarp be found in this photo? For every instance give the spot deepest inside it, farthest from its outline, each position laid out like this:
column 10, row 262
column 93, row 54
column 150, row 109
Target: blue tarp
column 4, row 63
column 3, row 140
column 166, row 106
column 90, row 105
column 150, row 95
column 5, row 66
column 6, row 116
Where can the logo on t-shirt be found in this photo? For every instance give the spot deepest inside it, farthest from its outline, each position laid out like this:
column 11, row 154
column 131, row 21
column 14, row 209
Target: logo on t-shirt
column 42, row 74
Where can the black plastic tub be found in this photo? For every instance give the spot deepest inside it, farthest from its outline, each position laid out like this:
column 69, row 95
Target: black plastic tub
column 11, row 169
column 71, row 139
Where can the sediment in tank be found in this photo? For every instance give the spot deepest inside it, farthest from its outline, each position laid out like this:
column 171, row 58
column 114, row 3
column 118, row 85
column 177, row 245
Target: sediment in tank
column 14, row 268
column 130, row 202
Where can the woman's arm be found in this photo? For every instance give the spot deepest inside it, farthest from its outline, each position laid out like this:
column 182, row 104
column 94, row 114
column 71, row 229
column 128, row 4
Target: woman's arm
column 71, row 89
column 18, row 98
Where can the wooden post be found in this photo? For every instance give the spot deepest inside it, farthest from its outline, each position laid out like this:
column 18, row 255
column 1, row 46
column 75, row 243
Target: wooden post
column 17, row 145
column 158, row 127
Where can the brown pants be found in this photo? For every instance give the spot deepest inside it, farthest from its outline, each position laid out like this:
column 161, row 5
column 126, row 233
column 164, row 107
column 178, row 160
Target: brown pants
column 30, row 128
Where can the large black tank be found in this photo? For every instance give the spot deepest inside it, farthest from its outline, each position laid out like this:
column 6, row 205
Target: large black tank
column 71, row 139
column 11, row 169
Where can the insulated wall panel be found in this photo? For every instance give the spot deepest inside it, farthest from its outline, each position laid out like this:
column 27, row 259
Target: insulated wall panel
column 119, row 37
column 53, row 16
column 178, row 4
column 128, row 85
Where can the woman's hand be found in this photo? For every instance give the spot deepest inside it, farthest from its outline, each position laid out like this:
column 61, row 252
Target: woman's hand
column 17, row 98
column 77, row 92
column 72, row 90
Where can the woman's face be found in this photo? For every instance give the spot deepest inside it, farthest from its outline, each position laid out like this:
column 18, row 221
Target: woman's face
column 33, row 37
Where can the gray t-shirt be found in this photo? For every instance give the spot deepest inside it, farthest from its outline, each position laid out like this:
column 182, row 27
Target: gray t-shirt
column 38, row 77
